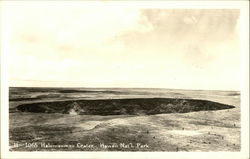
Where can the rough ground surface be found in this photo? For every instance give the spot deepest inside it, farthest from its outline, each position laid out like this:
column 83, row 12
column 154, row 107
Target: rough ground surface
column 213, row 130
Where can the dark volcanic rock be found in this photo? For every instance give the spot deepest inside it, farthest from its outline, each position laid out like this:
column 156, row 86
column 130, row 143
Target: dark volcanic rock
column 124, row 106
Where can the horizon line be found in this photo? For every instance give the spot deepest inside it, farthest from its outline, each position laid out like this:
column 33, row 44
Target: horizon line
column 120, row 88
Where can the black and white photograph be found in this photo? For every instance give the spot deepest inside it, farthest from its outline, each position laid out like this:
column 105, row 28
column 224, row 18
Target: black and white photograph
column 107, row 76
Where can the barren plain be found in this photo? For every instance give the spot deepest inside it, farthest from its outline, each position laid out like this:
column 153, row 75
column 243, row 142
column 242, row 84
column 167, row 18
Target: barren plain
column 123, row 119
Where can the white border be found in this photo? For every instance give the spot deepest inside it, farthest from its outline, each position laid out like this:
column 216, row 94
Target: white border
column 244, row 19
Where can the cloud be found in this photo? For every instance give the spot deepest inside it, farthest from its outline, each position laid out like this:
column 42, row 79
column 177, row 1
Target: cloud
column 180, row 25
column 192, row 33
column 192, row 22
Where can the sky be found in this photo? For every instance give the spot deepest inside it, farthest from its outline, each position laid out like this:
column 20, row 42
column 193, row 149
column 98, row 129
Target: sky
column 103, row 46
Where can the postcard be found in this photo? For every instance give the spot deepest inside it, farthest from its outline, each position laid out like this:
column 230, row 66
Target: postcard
column 124, row 79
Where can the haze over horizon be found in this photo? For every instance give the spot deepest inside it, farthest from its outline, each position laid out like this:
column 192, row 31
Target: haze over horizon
column 103, row 46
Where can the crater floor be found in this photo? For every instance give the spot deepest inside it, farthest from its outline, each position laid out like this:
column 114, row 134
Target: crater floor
column 139, row 106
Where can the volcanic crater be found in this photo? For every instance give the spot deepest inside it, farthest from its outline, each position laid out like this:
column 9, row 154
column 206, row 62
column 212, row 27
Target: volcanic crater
column 139, row 106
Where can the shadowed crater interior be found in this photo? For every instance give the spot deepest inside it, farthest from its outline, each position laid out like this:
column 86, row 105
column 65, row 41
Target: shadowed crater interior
column 124, row 106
